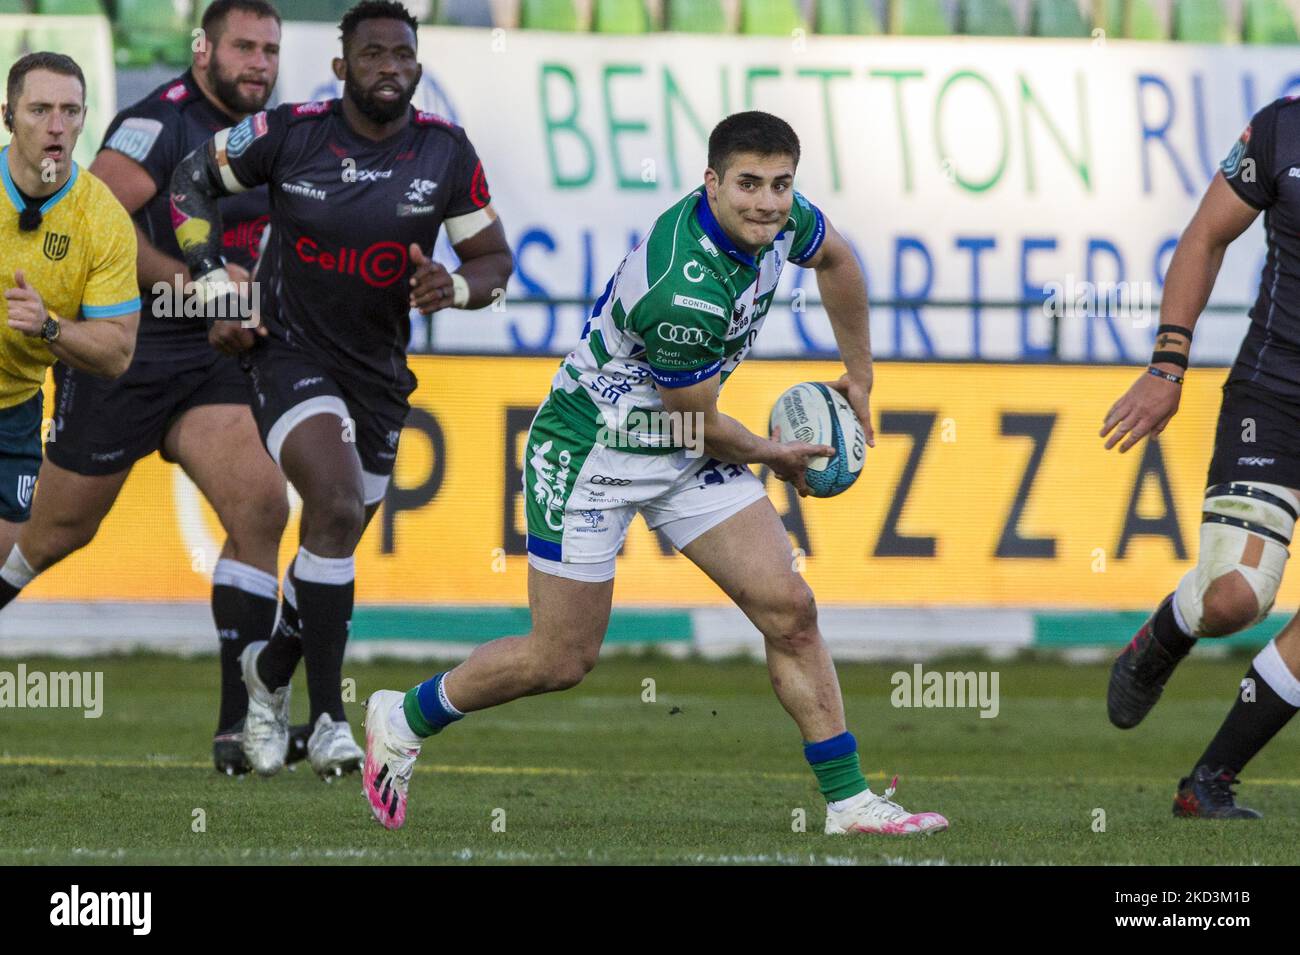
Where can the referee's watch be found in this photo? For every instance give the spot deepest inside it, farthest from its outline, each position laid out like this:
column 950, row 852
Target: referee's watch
column 50, row 330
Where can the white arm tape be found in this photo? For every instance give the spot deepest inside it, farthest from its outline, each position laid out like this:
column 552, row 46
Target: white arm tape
column 228, row 178
column 460, row 290
column 463, row 227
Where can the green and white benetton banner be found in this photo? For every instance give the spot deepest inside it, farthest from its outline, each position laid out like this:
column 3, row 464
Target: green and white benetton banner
column 961, row 168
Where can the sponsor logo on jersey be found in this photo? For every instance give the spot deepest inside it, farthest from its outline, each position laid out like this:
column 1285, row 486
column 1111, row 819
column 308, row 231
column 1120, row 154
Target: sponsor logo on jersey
column 308, row 190
column 1256, row 462
column 243, row 135
column 699, row 304
column 176, row 93
column 693, row 271
column 378, row 265
column 420, row 189
column 550, row 483
column 430, row 119
column 1294, row 172
column 314, row 108
column 681, row 335
column 609, row 481
column 708, row 245
column 372, row 175
column 418, row 192
column 478, row 187
column 108, row 455
column 246, row 236
column 1232, row 163
column 135, row 137
column 302, row 383
column 55, row 246
column 594, row 519
column 26, row 484
column 739, row 322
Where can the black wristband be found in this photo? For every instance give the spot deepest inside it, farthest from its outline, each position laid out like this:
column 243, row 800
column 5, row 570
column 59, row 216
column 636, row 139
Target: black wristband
column 1173, row 357
column 1167, row 376
column 1174, row 330
column 204, row 264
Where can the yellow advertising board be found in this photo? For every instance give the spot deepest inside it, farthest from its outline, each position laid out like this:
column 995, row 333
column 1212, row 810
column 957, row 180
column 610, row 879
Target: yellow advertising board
column 988, row 487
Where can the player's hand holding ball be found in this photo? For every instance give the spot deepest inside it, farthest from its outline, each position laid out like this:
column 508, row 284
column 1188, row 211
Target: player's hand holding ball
column 792, row 461
column 823, row 445
column 432, row 287
column 858, row 395
column 27, row 312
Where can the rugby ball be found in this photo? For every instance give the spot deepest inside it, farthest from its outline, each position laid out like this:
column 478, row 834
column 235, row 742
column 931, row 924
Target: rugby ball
column 816, row 414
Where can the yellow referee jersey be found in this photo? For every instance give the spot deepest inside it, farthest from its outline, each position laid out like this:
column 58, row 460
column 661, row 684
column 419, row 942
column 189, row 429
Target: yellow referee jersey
column 81, row 260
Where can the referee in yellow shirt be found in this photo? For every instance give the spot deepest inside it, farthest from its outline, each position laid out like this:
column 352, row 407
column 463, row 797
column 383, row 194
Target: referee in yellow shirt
column 67, row 267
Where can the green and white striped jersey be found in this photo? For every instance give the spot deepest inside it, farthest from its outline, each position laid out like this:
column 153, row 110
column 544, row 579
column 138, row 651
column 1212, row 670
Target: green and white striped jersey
column 685, row 304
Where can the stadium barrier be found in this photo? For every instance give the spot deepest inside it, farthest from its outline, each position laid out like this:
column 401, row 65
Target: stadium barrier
column 988, row 515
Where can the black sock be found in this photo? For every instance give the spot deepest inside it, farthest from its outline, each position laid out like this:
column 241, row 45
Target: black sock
column 279, row 658
column 1249, row 725
column 7, row 593
column 1166, row 631
column 14, row 569
column 241, row 618
column 326, row 613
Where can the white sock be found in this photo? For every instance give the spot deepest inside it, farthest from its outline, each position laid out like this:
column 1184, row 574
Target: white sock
column 1178, row 619
column 1270, row 665
column 323, row 570
column 400, row 727
column 852, row 802
column 16, row 572
column 245, row 577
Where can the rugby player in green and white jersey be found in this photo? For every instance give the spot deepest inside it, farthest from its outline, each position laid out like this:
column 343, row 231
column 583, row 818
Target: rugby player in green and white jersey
column 632, row 425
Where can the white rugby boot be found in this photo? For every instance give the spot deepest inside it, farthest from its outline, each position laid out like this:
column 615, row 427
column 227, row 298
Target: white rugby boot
column 867, row 812
column 331, row 750
column 266, row 727
column 390, row 760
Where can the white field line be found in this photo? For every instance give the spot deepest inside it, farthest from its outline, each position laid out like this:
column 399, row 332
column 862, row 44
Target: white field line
column 168, row 762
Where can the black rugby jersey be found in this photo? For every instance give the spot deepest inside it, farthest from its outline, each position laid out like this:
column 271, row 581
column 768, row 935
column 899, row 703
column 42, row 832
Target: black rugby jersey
column 1263, row 168
column 344, row 212
column 158, row 132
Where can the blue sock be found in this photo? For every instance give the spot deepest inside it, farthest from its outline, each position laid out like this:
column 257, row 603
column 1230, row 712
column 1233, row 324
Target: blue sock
column 427, row 708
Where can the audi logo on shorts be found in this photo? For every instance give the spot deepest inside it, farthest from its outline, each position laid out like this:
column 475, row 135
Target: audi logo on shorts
column 609, row 481
column 681, row 335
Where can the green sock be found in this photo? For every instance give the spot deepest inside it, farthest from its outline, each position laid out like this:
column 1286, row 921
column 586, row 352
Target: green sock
column 411, row 707
column 840, row 778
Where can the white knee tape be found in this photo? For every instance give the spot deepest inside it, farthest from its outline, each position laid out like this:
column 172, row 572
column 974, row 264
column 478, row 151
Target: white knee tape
column 1246, row 527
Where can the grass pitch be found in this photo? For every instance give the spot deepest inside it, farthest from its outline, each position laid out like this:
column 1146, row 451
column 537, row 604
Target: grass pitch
column 711, row 772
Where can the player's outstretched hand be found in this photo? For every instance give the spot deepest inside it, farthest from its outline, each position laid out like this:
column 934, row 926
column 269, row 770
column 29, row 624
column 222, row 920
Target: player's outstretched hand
column 859, row 398
column 1145, row 409
column 27, row 312
column 232, row 337
column 790, row 462
column 431, row 285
